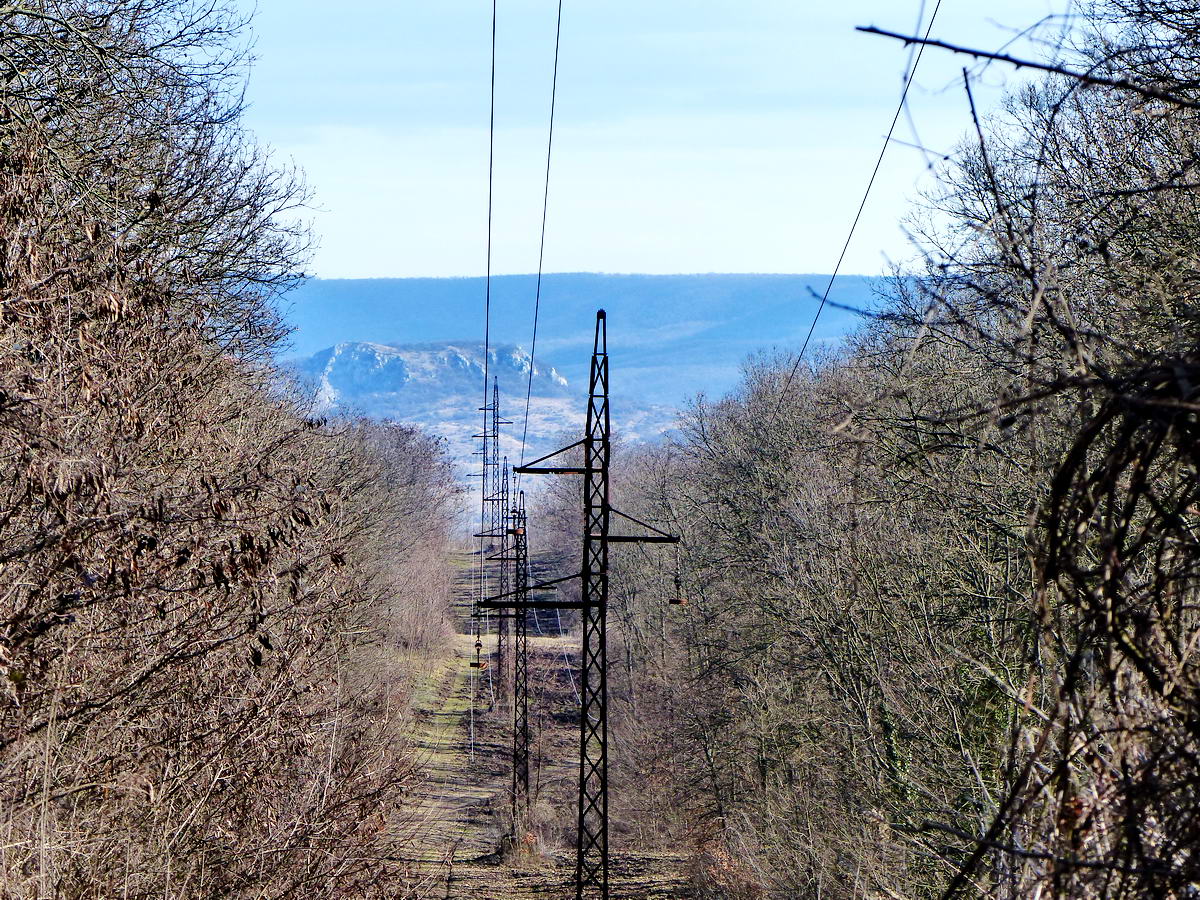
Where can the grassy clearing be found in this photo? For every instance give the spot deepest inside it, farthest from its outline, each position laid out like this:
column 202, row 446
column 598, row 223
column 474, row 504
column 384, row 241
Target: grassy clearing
column 460, row 818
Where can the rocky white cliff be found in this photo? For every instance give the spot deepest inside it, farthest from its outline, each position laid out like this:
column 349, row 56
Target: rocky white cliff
column 439, row 386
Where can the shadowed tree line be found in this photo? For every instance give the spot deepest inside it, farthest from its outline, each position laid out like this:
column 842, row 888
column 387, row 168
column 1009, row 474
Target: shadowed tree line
column 210, row 605
column 941, row 628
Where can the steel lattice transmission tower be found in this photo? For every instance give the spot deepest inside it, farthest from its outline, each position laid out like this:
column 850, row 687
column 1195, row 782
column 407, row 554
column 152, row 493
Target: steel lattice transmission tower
column 591, row 869
column 494, row 534
column 592, row 847
column 501, row 513
column 520, row 614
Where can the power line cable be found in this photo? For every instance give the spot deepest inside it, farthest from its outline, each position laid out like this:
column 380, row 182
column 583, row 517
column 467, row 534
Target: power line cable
column 487, row 336
column 537, row 298
column 858, row 216
column 487, row 294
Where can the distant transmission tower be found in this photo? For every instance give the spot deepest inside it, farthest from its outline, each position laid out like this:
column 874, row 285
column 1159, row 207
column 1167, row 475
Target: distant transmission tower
column 493, row 538
column 501, row 512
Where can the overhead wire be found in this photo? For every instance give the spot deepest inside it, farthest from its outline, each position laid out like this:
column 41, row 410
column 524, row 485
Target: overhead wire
column 537, row 305
column 537, row 297
column 487, row 336
column 487, row 294
column 911, row 73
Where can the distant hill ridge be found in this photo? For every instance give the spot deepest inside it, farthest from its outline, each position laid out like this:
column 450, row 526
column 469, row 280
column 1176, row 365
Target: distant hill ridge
column 751, row 311
column 409, row 348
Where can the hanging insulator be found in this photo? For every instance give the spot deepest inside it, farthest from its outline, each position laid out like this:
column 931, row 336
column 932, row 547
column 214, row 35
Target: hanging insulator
column 678, row 599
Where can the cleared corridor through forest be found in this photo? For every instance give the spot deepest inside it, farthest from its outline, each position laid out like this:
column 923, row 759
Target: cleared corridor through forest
column 459, row 813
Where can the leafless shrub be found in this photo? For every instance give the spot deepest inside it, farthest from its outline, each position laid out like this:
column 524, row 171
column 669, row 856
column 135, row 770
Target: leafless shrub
column 941, row 627
column 195, row 577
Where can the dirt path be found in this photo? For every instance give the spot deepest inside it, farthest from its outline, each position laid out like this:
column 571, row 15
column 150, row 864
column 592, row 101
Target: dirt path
column 460, row 813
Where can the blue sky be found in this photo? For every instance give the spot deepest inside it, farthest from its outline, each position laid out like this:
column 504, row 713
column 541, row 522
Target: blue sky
column 691, row 135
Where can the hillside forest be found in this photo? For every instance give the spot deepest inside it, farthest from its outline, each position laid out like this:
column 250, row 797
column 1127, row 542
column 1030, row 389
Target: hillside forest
column 932, row 628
